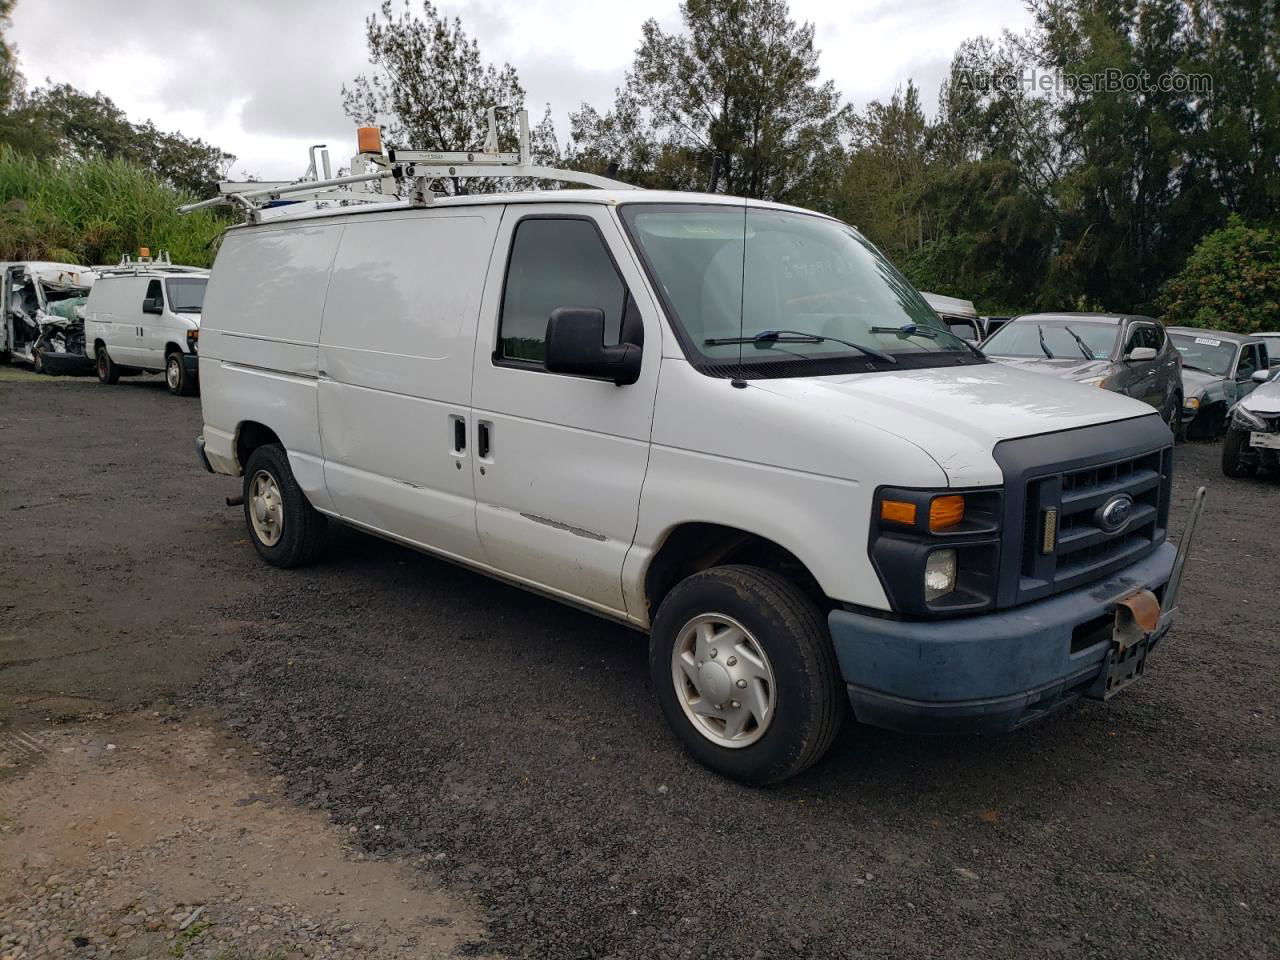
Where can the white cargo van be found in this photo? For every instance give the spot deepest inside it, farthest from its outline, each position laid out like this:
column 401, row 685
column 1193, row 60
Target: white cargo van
column 733, row 425
column 144, row 316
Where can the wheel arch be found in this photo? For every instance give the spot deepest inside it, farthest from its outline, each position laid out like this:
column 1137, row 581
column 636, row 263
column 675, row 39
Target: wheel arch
column 691, row 547
column 250, row 435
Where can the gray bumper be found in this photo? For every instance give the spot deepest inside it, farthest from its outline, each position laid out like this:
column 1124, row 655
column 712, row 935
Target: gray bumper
column 991, row 672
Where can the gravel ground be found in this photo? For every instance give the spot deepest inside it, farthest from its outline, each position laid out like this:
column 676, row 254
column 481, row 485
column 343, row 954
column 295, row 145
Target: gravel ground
column 514, row 743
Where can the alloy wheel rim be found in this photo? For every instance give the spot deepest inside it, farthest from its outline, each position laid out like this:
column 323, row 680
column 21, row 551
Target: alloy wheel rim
column 266, row 508
column 171, row 373
column 723, row 680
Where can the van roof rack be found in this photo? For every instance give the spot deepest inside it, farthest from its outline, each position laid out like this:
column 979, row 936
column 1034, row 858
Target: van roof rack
column 145, row 263
column 376, row 177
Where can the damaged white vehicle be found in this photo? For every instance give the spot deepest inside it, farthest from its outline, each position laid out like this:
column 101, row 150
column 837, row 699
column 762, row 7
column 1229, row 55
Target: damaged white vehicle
column 1253, row 429
column 44, row 315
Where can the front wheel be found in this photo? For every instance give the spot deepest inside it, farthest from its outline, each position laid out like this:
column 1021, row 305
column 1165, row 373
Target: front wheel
column 744, row 671
column 176, row 377
column 108, row 372
column 1237, row 459
column 285, row 529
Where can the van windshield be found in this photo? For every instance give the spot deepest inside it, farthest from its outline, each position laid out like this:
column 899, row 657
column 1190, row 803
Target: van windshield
column 186, row 294
column 766, row 288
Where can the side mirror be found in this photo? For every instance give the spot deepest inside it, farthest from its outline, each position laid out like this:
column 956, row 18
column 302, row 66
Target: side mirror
column 1139, row 354
column 1261, row 376
column 153, row 305
column 575, row 345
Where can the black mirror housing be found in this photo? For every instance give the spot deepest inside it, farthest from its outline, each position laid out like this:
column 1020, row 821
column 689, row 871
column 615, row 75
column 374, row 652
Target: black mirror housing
column 575, row 345
column 153, row 305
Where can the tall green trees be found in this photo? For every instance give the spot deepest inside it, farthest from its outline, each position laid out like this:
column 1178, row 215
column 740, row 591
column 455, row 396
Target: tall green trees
column 740, row 82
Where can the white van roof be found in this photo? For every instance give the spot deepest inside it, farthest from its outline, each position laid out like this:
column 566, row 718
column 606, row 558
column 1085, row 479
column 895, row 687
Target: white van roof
column 311, row 210
column 950, row 306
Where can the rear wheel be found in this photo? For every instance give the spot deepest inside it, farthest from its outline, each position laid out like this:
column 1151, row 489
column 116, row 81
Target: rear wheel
column 745, row 674
column 285, row 529
column 108, row 372
column 1237, row 459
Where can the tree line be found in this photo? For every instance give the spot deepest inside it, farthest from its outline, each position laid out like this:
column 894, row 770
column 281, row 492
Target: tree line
column 1117, row 155
column 1076, row 165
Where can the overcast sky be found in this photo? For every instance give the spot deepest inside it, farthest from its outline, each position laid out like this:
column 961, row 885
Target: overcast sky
column 262, row 78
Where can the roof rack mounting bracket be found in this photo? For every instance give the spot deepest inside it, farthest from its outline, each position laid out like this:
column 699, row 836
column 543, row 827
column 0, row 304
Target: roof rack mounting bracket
column 423, row 167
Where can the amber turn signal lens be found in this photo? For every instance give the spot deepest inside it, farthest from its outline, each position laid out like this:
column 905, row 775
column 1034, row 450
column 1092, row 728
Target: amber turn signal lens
column 945, row 512
column 898, row 511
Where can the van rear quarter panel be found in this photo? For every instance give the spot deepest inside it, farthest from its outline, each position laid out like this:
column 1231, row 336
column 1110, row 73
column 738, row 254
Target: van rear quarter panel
column 259, row 344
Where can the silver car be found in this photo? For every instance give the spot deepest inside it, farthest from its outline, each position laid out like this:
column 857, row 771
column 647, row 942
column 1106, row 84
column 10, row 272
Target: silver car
column 1218, row 370
column 1118, row 352
column 1253, row 429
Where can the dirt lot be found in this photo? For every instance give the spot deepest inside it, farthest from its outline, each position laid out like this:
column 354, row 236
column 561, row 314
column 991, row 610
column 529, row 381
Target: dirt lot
column 458, row 731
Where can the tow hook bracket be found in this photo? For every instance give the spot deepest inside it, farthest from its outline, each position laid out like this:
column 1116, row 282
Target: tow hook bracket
column 1141, row 620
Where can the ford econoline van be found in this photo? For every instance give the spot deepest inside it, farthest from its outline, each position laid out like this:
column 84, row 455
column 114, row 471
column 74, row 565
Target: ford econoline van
column 145, row 317
column 733, row 425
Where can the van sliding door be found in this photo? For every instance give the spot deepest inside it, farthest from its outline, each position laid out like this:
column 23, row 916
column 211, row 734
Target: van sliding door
column 395, row 373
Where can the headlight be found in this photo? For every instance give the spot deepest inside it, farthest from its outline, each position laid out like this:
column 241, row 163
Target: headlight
column 935, row 551
column 1191, row 403
column 939, row 574
column 1250, row 421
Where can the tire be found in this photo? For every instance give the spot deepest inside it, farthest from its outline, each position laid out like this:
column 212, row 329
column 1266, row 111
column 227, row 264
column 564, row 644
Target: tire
column 1233, row 464
column 108, row 372
column 809, row 700
column 1173, row 417
column 175, row 375
column 299, row 530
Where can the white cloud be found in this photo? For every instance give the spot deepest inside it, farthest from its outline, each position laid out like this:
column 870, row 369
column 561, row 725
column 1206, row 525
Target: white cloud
column 263, row 79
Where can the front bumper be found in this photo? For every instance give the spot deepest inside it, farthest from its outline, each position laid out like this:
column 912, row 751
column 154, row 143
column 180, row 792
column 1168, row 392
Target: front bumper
column 992, row 672
column 66, row 364
column 191, row 366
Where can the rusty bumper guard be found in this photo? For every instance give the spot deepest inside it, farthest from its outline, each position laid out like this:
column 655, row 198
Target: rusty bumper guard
column 1141, row 620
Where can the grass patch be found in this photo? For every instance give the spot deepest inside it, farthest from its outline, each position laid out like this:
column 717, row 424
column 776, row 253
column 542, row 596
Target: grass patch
column 92, row 211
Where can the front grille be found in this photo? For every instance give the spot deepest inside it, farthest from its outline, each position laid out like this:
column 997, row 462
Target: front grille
column 1061, row 480
column 1084, row 550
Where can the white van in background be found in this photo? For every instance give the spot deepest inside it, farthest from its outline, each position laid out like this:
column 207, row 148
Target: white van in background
column 731, row 424
column 144, row 316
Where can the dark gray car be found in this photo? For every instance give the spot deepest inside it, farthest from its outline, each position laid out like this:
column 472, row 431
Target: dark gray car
column 1217, row 372
column 1118, row 352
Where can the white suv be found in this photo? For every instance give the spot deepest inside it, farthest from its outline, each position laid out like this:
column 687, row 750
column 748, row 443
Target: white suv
column 733, row 425
column 146, row 317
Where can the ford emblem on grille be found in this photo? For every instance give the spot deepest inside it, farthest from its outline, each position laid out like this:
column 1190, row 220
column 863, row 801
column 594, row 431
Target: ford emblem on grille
column 1115, row 513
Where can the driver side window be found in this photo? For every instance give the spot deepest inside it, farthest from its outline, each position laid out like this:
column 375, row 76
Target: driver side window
column 1248, row 362
column 153, row 292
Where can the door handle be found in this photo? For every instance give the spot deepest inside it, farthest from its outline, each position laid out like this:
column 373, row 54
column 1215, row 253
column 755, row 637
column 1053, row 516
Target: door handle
column 459, row 435
column 483, row 440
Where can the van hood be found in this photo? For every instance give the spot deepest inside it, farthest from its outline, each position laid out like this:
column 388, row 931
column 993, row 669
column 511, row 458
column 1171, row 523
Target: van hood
column 958, row 414
column 1066, row 368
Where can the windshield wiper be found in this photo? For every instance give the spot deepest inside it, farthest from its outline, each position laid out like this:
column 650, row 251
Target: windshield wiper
column 1084, row 347
column 929, row 333
column 1044, row 346
column 766, row 338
